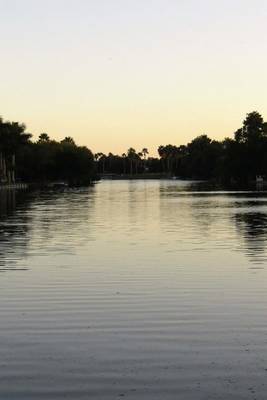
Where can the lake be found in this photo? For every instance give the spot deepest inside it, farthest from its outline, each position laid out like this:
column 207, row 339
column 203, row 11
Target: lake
column 133, row 289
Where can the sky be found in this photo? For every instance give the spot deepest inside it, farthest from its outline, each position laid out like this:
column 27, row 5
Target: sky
column 115, row 74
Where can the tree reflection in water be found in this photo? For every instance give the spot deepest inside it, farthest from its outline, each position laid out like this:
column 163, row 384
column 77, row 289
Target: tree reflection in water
column 42, row 223
column 253, row 227
column 14, row 229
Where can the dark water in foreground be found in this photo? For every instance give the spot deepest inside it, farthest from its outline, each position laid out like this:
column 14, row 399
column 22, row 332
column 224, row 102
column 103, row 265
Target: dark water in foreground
column 135, row 290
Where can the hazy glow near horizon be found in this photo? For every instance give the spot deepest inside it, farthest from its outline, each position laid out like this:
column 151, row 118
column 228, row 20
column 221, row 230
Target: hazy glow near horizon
column 119, row 73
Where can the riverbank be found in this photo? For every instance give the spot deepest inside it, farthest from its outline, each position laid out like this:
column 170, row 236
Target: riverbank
column 135, row 176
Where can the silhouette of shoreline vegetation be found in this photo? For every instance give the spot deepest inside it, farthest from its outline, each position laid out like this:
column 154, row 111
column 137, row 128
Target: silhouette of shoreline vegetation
column 230, row 161
column 42, row 161
column 233, row 160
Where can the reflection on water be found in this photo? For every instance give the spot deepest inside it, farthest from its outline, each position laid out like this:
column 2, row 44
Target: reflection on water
column 7, row 202
column 13, row 230
column 135, row 289
column 251, row 221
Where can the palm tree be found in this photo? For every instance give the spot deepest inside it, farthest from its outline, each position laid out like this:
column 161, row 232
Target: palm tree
column 162, row 154
column 43, row 137
column 139, row 159
column 124, row 156
column 145, row 152
column 110, row 161
column 132, row 157
column 68, row 140
column 102, row 158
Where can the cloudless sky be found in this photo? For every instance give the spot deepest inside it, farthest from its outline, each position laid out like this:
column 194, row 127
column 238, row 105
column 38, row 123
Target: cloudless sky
column 119, row 73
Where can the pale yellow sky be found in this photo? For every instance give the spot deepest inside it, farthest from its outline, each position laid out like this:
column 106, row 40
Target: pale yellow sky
column 119, row 74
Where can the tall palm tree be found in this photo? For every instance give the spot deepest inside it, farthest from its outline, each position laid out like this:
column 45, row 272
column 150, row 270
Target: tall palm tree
column 145, row 152
column 68, row 140
column 43, row 137
column 139, row 160
column 124, row 156
column 102, row 158
column 162, row 154
column 132, row 158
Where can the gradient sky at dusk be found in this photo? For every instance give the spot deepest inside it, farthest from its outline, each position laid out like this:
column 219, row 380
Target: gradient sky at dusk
column 120, row 73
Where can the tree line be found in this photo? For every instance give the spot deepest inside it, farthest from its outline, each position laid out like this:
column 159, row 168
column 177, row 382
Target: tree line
column 44, row 160
column 233, row 160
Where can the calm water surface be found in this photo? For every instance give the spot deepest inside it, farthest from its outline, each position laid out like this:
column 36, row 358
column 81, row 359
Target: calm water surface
column 133, row 289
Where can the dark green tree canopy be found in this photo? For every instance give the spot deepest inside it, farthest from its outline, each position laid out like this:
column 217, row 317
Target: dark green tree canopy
column 43, row 160
column 253, row 128
column 239, row 159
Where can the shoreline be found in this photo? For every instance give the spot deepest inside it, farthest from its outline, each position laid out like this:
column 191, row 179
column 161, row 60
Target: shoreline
column 13, row 186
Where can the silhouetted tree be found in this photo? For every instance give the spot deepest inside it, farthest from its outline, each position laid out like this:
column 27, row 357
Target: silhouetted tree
column 43, row 137
column 12, row 137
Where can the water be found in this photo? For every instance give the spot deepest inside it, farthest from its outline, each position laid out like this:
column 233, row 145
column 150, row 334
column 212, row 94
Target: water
column 136, row 290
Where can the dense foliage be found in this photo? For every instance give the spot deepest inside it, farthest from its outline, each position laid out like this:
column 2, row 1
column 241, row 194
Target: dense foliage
column 42, row 161
column 237, row 160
